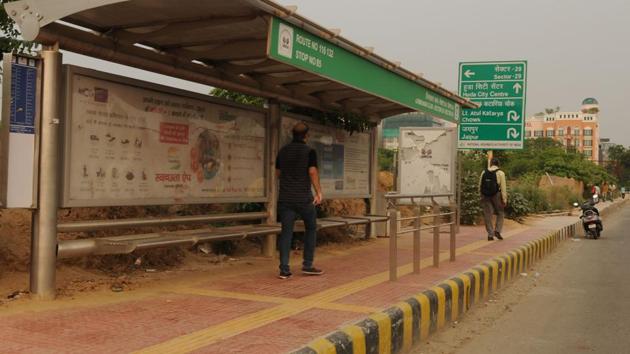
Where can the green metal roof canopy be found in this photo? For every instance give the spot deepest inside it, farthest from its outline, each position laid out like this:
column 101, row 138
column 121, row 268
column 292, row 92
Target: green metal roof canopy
column 252, row 46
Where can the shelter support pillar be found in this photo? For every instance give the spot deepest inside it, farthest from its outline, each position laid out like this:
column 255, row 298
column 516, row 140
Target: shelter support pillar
column 44, row 239
column 269, row 245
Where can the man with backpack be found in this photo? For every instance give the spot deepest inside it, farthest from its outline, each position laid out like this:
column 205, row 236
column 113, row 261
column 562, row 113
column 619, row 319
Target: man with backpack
column 493, row 190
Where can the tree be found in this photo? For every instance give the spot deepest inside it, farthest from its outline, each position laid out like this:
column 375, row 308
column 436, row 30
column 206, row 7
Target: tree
column 9, row 36
column 237, row 97
column 552, row 110
column 348, row 121
column 618, row 164
column 546, row 155
column 592, row 110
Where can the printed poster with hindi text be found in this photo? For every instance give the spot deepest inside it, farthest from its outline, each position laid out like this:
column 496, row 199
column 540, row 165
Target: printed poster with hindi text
column 132, row 145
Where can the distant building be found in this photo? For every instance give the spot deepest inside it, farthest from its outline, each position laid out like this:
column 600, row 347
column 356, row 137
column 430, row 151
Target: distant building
column 577, row 131
column 392, row 125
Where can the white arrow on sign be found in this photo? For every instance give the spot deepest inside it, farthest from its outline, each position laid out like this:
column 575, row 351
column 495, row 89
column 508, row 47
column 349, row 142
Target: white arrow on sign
column 469, row 73
column 517, row 87
column 513, row 133
column 513, row 115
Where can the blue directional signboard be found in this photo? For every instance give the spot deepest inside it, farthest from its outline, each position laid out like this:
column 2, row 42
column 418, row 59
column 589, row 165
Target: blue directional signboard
column 23, row 95
column 19, row 123
column 500, row 90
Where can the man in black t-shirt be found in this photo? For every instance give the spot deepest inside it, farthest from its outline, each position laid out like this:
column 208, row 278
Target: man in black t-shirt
column 296, row 168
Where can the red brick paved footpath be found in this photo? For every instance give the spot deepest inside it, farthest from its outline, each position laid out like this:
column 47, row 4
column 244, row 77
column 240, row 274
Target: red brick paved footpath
column 249, row 311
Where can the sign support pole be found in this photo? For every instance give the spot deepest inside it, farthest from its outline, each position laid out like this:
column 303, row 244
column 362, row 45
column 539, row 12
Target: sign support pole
column 490, row 155
column 460, row 181
column 269, row 245
column 44, row 243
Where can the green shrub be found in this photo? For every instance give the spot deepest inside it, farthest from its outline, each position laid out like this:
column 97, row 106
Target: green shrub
column 386, row 160
column 536, row 198
column 561, row 197
column 530, row 178
column 518, row 206
column 470, row 208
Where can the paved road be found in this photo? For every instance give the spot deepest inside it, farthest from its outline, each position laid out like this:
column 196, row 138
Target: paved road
column 580, row 305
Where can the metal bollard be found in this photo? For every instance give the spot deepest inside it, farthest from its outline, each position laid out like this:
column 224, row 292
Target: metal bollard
column 453, row 229
column 393, row 244
column 417, row 224
column 452, row 246
column 436, row 235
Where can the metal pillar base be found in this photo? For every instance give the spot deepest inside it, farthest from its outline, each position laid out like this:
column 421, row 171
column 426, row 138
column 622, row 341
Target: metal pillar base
column 269, row 246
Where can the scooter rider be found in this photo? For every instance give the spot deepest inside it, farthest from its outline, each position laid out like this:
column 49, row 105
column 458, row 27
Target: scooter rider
column 590, row 205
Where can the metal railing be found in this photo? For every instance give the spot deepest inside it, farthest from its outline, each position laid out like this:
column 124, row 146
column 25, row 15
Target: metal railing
column 416, row 201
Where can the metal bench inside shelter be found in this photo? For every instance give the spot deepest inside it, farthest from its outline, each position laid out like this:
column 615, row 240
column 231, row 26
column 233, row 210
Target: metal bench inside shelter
column 129, row 243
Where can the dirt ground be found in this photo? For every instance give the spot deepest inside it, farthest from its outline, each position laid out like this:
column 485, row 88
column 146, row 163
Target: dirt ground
column 122, row 272
column 74, row 280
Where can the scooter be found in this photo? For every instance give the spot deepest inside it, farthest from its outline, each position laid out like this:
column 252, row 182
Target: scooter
column 590, row 218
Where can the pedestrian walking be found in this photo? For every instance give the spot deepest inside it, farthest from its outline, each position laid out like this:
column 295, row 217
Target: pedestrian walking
column 296, row 168
column 493, row 190
column 605, row 189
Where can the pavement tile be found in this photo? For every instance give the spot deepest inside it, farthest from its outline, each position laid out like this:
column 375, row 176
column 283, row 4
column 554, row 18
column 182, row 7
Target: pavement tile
column 117, row 328
column 281, row 336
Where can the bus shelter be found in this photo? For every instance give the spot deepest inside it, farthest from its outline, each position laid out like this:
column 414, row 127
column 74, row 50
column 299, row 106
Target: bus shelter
column 255, row 47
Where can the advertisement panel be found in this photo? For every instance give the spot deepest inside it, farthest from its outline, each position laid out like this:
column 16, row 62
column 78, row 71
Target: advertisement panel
column 343, row 158
column 427, row 161
column 133, row 143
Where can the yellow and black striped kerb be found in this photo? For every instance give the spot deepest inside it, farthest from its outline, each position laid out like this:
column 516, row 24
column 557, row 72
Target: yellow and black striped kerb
column 398, row 328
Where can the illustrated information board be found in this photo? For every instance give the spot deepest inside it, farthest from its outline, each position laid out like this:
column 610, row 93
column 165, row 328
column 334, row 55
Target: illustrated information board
column 133, row 145
column 426, row 161
column 500, row 89
column 343, row 158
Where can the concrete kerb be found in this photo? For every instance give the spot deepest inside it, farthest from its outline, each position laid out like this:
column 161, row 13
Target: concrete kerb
column 398, row 328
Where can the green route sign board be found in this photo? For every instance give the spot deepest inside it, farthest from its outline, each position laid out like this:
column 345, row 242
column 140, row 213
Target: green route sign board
column 292, row 45
column 499, row 88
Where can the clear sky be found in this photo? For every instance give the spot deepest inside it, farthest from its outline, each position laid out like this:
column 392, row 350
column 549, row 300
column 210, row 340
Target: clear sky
column 575, row 48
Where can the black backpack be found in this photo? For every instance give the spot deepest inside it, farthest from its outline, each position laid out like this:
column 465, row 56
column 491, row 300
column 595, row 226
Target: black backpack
column 489, row 184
